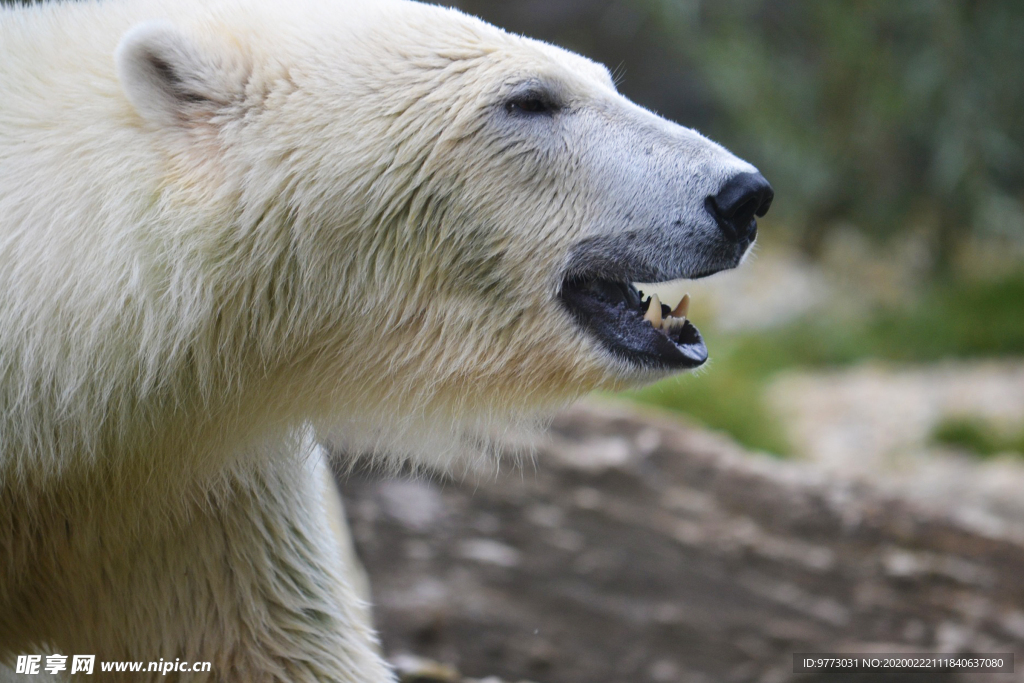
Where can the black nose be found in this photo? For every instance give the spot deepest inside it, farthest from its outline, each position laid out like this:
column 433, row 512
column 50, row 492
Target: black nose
column 742, row 198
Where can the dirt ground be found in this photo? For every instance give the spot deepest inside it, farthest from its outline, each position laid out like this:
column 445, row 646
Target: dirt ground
column 639, row 550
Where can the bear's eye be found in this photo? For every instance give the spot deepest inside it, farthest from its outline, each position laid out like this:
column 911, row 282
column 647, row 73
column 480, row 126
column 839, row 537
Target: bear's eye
column 531, row 103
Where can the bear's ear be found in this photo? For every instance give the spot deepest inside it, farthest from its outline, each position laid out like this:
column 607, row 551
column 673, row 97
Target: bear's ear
column 170, row 79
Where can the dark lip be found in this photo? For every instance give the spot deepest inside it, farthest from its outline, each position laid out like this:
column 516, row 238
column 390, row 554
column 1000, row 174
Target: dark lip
column 613, row 311
column 617, row 259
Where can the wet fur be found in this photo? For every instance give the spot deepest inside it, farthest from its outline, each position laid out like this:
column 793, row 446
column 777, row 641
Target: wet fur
column 322, row 228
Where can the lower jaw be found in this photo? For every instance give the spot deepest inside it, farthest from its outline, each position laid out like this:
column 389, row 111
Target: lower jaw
column 643, row 336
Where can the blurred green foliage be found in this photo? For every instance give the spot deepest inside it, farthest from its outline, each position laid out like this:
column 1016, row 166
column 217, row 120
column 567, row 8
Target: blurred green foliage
column 977, row 437
column 886, row 115
column 954, row 319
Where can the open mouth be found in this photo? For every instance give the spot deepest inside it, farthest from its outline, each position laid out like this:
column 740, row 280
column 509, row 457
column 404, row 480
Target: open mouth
column 640, row 330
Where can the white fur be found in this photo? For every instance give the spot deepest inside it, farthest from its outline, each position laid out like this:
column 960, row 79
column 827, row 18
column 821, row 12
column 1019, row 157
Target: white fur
column 226, row 227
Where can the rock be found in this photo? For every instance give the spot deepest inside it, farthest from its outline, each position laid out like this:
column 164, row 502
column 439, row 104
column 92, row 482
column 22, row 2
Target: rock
column 677, row 556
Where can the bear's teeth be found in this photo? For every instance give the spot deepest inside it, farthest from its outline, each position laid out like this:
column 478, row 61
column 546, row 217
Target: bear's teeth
column 653, row 314
column 683, row 309
column 667, row 323
column 671, row 323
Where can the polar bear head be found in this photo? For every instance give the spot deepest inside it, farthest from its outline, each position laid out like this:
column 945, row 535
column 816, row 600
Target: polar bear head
column 427, row 220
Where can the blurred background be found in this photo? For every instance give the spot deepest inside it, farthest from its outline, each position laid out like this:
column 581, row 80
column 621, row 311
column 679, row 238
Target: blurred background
column 847, row 471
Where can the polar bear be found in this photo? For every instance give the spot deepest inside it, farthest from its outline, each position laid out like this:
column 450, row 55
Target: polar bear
column 233, row 231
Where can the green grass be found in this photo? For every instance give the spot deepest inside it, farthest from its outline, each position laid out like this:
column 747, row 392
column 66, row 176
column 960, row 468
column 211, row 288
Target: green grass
column 954, row 320
column 977, row 437
column 950, row 320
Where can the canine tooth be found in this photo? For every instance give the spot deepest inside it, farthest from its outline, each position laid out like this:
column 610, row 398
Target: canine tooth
column 653, row 314
column 683, row 309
